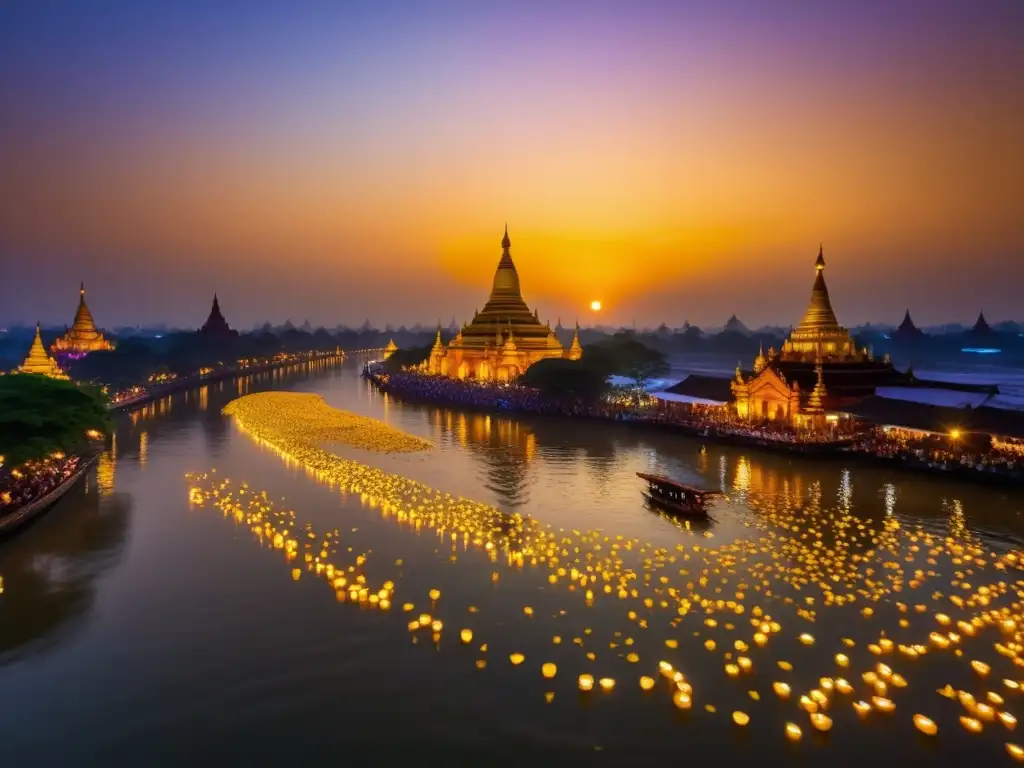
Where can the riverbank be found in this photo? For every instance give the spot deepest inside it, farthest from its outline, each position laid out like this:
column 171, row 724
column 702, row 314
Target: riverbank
column 195, row 381
column 502, row 401
column 25, row 514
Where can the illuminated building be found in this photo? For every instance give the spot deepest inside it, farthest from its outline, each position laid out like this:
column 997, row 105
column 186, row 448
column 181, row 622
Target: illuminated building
column 40, row 362
column 216, row 326
column 819, row 368
column 390, row 349
column 83, row 337
column 504, row 338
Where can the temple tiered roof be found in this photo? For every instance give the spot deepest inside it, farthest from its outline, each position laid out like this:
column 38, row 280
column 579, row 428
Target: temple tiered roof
column 907, row 329
column 819, row 333
column 506, row 312
column 39, row 362
column 981, row 326
column 83, row 336
column 504, row 339
column 215, row 324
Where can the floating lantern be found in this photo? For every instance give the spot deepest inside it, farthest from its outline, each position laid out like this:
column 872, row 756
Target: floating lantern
column 925, row 725
column 646, row 683
column 793, row 732
column 740, row 718
column 516, row 659
column 466, row 636
column 883, row 704
column 971, row 724
column 548, row 670
column 586, row 682
column 782, row 690
column 681, row 700
column 821, row 721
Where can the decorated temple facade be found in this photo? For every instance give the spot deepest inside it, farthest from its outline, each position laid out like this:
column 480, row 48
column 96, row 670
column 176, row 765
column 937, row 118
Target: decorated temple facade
column 216, row 326
column 818, row 369
column 83, row 337
column 38, row 361
column 504, row 338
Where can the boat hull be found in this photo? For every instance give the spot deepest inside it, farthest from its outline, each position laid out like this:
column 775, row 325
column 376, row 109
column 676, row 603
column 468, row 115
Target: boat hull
column 674, row 508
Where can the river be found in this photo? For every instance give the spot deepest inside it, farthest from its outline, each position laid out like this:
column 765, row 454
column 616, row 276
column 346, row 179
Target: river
column 139, row 627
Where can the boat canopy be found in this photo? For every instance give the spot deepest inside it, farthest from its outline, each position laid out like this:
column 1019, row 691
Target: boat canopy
column 668, row 482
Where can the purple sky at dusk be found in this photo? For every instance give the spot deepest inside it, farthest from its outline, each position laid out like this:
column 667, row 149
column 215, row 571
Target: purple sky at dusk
column 335, row 161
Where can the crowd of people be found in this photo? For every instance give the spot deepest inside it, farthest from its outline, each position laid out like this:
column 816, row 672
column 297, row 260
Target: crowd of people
column 33, row 480
column 498, row 396
column 917, row 448
column 943, row 452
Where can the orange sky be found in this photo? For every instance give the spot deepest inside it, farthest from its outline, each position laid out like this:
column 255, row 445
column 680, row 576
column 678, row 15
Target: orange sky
column 673, row 166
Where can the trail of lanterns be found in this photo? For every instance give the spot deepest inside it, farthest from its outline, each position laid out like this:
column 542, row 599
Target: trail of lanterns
column 803, row 563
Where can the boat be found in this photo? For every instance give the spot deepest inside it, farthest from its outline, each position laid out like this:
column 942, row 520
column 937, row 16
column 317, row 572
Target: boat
column 673, row 496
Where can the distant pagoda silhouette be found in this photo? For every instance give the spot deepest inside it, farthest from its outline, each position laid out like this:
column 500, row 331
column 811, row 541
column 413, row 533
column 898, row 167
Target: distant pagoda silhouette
column 981, row 326
column 907, row 330
column 216, row 326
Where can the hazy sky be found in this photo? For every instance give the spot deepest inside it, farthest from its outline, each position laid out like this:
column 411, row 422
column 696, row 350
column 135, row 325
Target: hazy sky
column 338, row 160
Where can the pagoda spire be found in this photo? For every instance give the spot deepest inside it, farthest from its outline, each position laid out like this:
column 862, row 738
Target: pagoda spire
column 506, row 278
column 575, row 349
column 38, row 361
column 819, row 316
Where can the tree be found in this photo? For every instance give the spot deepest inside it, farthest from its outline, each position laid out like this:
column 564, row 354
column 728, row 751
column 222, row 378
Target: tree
column 625, row 355
column 406, row 358
column 566, row 379
column 40, row 415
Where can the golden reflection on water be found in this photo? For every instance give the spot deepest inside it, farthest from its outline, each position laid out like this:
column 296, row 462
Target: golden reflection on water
column 143, row 448
column 106, row 468
column 869, row 613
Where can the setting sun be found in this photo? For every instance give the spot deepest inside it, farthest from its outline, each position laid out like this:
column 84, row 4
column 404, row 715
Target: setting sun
column 595, row 305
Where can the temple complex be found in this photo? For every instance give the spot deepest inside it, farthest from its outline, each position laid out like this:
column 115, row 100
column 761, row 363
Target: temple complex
column 83, row 337
column 504, row 338
column 819, row 368
column 216, row 326
column 40, row 362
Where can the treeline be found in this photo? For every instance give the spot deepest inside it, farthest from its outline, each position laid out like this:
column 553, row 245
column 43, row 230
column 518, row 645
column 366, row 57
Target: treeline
column 40, row 415
column 136, row 359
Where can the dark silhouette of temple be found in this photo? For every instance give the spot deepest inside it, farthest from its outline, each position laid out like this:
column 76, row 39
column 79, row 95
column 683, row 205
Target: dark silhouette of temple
column 981, row 326
column 907, row 332
column 216, row 326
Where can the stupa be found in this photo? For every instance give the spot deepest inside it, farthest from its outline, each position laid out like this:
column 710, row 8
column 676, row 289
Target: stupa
column 907, row 331
column 40, row 362
column 83, row 337
column 818, row 368
column 504, row 338
column 216, row 326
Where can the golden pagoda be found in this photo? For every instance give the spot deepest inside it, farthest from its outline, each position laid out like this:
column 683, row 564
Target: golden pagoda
column 819, row 333
column 390, row 349
column 83, row 337
column 818, row 368
column 40, row 362
column 504, row 338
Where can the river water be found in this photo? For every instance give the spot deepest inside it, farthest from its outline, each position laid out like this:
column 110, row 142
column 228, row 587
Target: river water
column 139, row 628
